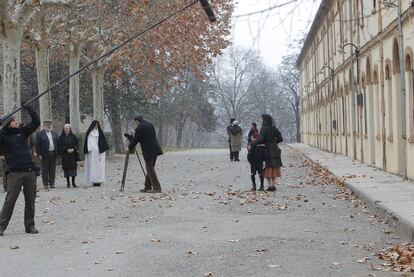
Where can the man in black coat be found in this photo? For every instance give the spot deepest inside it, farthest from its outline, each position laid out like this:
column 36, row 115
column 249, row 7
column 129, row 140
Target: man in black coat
column 145, row 135
column 228, row 134
column 21, row 168
column 47, row 148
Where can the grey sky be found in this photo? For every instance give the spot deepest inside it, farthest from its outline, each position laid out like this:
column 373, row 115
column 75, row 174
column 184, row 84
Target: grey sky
column 271, row 32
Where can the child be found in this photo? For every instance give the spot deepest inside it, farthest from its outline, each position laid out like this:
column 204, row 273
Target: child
column 255, row 157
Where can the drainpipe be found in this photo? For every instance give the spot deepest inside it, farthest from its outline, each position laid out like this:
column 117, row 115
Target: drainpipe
column 352, row 83
column 402, row 81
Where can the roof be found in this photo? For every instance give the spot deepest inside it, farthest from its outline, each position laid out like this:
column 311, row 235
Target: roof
column 321, row 13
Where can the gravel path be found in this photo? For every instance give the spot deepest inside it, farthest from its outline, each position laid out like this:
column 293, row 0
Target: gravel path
column 205, row 221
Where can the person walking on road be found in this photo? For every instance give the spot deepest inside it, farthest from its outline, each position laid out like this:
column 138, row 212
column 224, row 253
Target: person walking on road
column 146, row 136
column 69, row 145
column 95, row 148
column 228, row 134
column 235, row 141
column 47, row 148
column 270, row 137
column 21, row 167
column 255, row 156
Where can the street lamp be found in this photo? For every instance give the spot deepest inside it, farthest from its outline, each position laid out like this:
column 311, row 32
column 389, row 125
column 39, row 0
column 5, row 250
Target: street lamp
column 356, row 52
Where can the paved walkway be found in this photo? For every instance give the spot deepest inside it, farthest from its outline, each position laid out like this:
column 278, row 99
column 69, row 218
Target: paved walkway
column 388, row 194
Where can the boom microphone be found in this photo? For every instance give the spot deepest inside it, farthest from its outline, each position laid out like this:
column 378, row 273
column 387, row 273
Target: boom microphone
column 209, row 11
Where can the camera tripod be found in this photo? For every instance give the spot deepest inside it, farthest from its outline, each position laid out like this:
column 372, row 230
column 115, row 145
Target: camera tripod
column 126, row 168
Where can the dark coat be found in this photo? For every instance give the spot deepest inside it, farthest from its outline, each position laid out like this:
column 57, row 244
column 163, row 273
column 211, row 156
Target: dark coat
column 69, row 159
column 257, row 154
column 270, row 137
column 14, row 146
column 42, row 144
column 102, row 143
column 145, row 135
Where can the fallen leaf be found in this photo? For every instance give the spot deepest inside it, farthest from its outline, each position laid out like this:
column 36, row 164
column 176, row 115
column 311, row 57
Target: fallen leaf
column 363, row 260
column 14, row 247
column 335, row 263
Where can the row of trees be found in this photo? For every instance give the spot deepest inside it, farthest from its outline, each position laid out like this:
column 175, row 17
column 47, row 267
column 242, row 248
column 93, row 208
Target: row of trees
column 64, row 34
column 244, row 87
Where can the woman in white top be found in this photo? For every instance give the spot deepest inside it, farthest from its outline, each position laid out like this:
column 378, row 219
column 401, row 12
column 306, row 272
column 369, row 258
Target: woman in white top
column 94, row 148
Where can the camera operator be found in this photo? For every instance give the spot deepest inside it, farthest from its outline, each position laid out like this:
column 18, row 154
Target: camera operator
column 145, row 135
column 19, row 161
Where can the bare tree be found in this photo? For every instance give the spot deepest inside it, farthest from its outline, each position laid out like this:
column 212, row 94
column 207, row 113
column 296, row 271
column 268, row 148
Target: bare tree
column 232, row 77
column 289, row 81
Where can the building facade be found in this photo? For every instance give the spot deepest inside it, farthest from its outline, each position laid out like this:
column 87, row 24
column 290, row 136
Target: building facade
column 356, row 82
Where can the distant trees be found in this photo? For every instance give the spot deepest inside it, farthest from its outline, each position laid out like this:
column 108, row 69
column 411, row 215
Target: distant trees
column 65, row 34
column 244, row 87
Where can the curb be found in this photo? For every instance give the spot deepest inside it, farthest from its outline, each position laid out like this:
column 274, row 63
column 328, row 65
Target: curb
column 404, row 227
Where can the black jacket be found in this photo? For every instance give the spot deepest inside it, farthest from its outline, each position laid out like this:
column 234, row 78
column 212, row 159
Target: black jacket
column 42, row 144
column 65, row 143
column 145, row 135
column 257, row 154
column 14, row 145
column 270, row 137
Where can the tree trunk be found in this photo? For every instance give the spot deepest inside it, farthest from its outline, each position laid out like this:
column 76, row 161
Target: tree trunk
column 114, row 117
column 11, row 69
column 98, row 93
column 160, row 132
column 74, row 107
column 1, row 86
column 180, row 127
column 43, row 82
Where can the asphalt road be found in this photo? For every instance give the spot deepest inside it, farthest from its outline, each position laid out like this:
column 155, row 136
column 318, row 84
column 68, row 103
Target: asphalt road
column 205, row 223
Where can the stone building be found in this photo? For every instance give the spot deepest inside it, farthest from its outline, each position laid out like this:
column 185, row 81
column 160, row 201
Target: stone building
column 356, row 81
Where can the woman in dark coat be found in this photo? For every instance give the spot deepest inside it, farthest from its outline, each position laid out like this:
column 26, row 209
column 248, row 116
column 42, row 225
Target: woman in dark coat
column 270, row 137
column 69, row 145
column 256, row 156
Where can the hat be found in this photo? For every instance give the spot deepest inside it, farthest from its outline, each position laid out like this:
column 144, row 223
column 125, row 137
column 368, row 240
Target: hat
column 139, row 117
column 5, row 120
column 46, row 121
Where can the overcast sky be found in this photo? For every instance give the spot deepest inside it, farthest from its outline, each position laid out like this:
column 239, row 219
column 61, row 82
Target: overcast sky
column 271, row 32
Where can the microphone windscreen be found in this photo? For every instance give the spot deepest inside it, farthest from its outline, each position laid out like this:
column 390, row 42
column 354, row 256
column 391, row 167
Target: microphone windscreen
column 209, row 11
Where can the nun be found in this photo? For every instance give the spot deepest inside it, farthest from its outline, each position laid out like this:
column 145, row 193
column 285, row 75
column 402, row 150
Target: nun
column 95, row 148
column 69, row 146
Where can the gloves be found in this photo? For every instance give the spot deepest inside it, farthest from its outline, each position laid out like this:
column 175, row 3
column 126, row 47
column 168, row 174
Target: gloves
column 128, row 136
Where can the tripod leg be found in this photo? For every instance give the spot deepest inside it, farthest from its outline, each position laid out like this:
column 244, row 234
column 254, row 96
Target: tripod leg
column 140, row 163
column 125, row 171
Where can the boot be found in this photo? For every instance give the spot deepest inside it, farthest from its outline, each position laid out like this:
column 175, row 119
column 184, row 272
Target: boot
column 261, row 188
column 271, row 188
column 32, row 230
column 67, row 182
column 73, row 182
column 261, row 181
column 253, row 182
